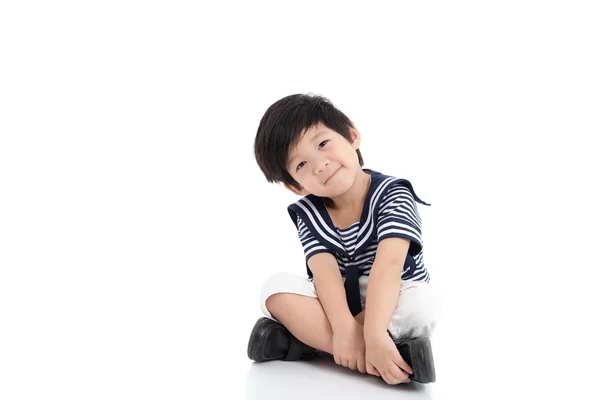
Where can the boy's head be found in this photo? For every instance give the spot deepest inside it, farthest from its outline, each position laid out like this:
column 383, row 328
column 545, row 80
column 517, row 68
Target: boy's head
column 302, row 140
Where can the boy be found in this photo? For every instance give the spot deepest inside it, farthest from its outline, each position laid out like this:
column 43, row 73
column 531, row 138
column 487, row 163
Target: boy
column 367, row 300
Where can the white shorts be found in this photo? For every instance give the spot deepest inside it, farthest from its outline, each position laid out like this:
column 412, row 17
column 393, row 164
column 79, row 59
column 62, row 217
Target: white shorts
column 416, row 314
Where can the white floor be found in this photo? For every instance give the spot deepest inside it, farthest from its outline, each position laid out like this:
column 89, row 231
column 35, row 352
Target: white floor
column 321, row 379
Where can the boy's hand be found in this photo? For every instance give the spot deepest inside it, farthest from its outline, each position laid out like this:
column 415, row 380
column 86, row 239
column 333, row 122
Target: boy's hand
column 383, row 359
column 349, row 346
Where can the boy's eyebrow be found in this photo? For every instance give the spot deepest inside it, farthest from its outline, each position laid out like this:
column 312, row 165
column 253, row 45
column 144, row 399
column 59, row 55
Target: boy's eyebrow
column 315, row 136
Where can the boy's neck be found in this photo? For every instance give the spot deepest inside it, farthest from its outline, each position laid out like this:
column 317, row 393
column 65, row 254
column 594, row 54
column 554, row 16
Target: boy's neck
column 354, row 198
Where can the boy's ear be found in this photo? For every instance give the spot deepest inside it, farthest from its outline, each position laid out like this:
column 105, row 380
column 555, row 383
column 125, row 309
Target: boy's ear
column 292, row 189
column 355, row 134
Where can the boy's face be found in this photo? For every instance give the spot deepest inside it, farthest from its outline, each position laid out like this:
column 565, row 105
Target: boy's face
column 324, row 163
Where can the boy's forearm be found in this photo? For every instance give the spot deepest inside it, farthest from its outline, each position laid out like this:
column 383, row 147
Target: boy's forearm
column 332, row 295
column 383, row 292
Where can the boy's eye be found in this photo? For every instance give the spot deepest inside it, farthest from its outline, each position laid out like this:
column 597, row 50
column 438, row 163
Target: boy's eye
column 300, row 165
column 323, row 142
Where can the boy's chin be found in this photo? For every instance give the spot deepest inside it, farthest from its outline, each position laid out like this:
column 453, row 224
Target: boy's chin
column 333, row 193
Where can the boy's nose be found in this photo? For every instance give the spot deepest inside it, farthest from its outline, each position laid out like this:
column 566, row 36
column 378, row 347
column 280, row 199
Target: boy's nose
column 321, row 166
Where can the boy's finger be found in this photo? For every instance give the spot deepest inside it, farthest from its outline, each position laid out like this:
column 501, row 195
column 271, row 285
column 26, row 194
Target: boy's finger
column 399, row 361
column 398, row 373
column 352, row 365
column 387, row 378
column 371, row 368
column 373, row 371
column 390, row 379
column 361, row 365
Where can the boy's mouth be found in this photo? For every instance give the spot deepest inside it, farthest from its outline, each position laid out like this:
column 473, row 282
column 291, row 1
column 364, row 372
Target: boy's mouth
column 332, row 175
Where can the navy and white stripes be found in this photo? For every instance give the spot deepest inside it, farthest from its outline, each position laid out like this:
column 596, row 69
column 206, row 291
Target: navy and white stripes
column 390, row 210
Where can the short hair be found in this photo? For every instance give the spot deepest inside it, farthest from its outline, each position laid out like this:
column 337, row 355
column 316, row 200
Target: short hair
column 282, row 126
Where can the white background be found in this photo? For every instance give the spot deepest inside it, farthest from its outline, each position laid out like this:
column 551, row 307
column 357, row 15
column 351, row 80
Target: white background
column 136, row 228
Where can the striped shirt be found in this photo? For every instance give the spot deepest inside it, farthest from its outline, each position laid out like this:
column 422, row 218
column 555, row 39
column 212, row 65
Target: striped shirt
column 389, row 210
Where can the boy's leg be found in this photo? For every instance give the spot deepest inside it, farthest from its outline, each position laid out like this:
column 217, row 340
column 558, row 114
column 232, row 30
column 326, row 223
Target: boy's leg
column 292, row 300
column 304, row 317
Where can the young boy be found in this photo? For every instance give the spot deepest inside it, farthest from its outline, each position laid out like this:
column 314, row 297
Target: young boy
column 367, row 299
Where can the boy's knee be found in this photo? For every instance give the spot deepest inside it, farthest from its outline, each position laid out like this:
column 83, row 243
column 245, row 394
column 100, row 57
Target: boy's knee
column 276, row 301
column 274, row 289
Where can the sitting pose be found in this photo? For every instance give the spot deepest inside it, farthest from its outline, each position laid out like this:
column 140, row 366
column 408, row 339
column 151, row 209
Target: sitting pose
column 367, row 299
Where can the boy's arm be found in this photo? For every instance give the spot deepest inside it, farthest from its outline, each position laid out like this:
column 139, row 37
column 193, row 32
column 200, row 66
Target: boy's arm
column 383, row 289
column 330, row 289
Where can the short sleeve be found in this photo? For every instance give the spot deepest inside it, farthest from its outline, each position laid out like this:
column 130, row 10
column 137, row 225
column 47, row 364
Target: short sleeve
column 310, row 245
column 398, row 217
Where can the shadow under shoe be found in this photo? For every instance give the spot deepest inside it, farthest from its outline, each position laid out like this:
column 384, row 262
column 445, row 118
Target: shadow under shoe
column 270, row 340
column 417, row 353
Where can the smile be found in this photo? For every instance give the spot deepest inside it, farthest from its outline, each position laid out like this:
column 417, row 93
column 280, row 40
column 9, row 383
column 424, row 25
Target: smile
column 332, row 175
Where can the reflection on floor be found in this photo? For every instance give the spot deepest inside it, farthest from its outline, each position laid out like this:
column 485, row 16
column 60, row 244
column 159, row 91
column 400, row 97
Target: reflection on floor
column 321, row 378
